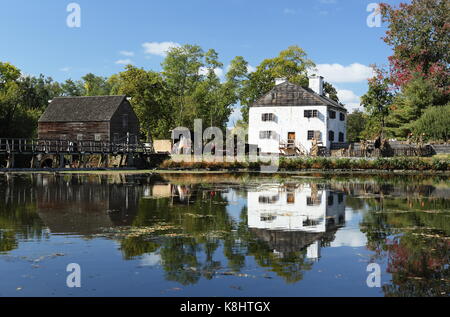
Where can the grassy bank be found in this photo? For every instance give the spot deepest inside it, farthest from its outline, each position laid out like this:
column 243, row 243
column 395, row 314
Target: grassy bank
column 320, row 163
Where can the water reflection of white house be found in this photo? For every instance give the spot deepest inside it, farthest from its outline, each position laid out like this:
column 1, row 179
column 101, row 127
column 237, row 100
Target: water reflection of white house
column 305, row 208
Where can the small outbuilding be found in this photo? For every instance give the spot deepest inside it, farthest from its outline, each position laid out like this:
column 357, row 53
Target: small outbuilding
column 97, row 118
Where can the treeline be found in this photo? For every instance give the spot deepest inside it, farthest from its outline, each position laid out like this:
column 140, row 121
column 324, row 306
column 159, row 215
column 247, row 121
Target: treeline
column 188, row 87
column 411, row 97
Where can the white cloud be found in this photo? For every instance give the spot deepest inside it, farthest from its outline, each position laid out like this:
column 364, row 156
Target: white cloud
column 217, row 71
column 349, row 99
column 349, row 238
column 159, row 48
column 251, row 68
column 338, row 73
column 126, row 53
column 65, row 69
column 124, row 61
column 289, row 11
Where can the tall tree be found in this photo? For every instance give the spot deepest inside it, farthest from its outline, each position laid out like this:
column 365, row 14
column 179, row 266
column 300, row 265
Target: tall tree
column 419, row 33
column 148, row 98
column 356, row 123
column 377, row 101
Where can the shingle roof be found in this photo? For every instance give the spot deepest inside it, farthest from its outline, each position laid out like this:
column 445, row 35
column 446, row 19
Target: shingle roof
column 81, row 109
column 291, row 95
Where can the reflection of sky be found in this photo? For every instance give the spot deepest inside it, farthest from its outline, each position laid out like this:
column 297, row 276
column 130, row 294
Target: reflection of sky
column 150, row 259
column 350, row 235
column 235, row 204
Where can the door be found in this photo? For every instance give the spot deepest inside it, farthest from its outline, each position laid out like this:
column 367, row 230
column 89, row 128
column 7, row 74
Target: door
column 291, row 139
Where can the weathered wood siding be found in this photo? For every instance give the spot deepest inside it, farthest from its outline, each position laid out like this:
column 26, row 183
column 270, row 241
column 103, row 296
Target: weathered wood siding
column 122, row 122
column 118, row 127
column 71, row 130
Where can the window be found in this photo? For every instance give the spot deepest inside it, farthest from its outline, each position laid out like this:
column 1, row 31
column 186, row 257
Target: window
column 341, row 137
column 330, row 200
column 268, row 117
column 268, row 199
column 267, row 217
column 313, row 135
column 331, row 136
column 97, row 137
column 63, row 137
column 79, row 137
column 125, row 121
column 311, row 113
column 332, row 114
column 266, row 134
column 116, row 137
column 342, row 116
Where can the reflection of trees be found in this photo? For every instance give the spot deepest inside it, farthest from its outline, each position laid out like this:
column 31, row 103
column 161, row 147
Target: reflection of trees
column 18, row 217
column 413, row 233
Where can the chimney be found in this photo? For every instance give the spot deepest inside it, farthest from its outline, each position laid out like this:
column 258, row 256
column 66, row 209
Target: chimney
column 279, row 81
column 316, row 84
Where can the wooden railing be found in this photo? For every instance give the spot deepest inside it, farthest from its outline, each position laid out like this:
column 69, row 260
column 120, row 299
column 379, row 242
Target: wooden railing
column 72, row 147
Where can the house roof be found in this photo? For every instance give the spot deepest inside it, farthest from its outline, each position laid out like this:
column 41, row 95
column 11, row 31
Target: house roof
column 291, row 95
column 82, row 109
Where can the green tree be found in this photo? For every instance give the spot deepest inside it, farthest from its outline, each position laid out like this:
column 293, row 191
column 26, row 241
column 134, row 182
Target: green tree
column 73, row 88
column 148, row 97
column 356, row 123
column 95, row 85
column 434, row 123
column 377, row 101
column 416, row 96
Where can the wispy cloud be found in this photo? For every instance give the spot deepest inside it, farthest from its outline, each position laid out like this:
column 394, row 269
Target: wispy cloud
column 126, row 53
column 159, row 48
column 126, row 61
column 65, row 69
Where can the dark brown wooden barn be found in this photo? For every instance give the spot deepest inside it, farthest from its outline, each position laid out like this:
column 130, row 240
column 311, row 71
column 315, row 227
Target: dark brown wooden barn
column 99, row 118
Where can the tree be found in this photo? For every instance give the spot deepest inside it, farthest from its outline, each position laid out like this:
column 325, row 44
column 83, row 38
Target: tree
column 377, row 100
column 148, row 98
column 22, row 101
column 419, row 34
column 434, row 123
column 73, row 88
column 416, row 96
column 356, row 123
column 95, row 85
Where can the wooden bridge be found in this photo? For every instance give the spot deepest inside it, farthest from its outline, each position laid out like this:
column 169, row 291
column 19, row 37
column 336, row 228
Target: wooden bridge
column 60, row 148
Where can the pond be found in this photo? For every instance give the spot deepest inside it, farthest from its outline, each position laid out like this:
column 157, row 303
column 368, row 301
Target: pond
column 224, row 235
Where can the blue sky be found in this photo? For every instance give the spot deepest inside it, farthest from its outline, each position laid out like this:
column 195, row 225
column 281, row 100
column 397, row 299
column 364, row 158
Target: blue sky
column 334, row 33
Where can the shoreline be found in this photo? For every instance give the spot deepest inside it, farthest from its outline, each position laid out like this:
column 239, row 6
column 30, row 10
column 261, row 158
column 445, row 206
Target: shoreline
column 222, row 171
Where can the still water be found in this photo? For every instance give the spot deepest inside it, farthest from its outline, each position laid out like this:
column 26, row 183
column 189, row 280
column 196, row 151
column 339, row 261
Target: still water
column 224, row 235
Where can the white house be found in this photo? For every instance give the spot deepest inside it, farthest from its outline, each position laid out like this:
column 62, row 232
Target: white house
column 308, row 211
column 289, row 117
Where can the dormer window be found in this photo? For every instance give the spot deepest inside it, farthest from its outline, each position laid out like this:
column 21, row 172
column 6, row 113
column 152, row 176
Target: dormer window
column 268, row 117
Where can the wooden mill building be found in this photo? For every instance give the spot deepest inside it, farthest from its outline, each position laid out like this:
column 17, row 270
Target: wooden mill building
column 98, row 118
